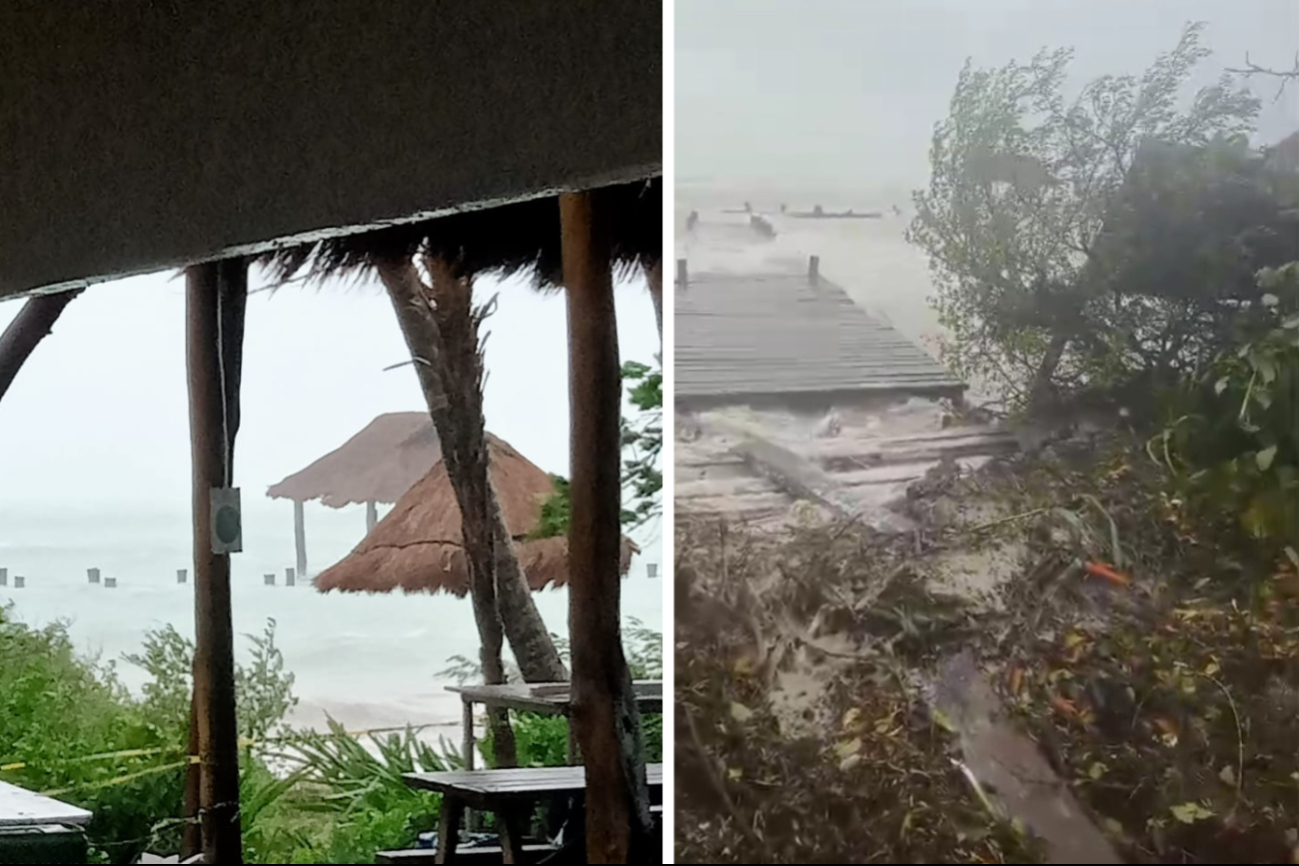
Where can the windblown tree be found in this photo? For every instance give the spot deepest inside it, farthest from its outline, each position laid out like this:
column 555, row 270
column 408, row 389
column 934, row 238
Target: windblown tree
column 1023, row 179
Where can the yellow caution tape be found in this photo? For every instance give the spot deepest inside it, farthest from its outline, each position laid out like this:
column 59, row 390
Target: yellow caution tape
column 244, row 743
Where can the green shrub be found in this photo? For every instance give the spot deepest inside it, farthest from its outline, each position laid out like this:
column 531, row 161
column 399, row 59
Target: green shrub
column 70, row 728
column 1237, row 448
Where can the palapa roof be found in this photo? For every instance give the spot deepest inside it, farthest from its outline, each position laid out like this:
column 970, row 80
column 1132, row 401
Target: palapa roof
column 378, row 464
column 782, row 335
column 517, row 238
column 418, row 546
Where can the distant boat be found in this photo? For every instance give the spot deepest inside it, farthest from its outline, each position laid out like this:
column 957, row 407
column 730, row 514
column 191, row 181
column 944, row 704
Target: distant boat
column 818, row 213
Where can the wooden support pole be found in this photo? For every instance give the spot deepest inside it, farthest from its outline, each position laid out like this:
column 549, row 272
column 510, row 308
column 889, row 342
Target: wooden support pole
column 300, row 538
column 655, row 275
column 216, row 295
column 618, row 821
column 371, row 517
column 32, row 324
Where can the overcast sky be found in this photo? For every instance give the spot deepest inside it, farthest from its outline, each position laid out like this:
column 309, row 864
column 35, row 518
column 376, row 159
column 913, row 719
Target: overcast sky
column 846, row 92
column 99, row 413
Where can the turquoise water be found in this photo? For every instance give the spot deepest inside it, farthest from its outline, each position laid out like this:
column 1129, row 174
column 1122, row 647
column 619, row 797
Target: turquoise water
column 366, row 660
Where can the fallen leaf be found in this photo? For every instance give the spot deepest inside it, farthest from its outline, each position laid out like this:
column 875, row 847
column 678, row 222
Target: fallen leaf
column 851, row 718
column 849, row 763
column 1189, row 813
column 1096, row 569
column 941, row 719
column 1096, row 771
column 1016, row 680
column 847, row 748
column 741, row 713
column 1063, row 706
column 1228, row 776
column 1265, row 457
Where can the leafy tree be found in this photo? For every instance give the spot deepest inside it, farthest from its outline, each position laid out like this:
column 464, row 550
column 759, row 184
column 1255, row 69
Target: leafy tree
column 1022, row 183
column 642, row 442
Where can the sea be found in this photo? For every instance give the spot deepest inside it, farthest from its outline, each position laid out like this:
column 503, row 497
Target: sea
column 367, row 661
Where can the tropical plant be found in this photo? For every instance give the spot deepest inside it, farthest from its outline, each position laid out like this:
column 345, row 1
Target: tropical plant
column 1024, row 182
column 70, row 728
column 1238, row 449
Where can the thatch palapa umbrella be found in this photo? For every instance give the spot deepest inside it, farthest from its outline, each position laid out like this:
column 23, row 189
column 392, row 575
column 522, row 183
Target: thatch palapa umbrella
column 419, row 546
column 377, row 465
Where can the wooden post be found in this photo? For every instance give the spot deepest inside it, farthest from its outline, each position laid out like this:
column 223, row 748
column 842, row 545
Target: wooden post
column 19, row 581
column 467, row 719
column 32, row 324
column 92, row 574
column 110, row 583
column 655, row 275
column 182, row 575
column 216, row 295
column 683, row 273
column 290, row 577
column 269, row 579
column 371, row 517
column 4, row 577
column 618, row 821
column 300, row 538
column 814, row 269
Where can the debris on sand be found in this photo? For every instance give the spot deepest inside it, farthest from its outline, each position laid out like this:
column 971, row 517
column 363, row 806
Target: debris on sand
column 1057, row 664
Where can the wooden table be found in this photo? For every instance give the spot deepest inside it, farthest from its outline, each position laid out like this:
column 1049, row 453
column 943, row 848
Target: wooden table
column 509, row 794
column 549, row 699
column 22, row 808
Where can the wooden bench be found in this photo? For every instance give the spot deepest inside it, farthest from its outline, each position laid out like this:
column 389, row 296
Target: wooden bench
column 508, row 794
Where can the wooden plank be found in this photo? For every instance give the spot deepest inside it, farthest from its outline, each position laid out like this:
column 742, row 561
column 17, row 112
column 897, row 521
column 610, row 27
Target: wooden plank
column 525, row 782
column 900, row 449
column 757, row 503
column 550, row 698
column 793, row 474
column 735, row 486
column 20, row 807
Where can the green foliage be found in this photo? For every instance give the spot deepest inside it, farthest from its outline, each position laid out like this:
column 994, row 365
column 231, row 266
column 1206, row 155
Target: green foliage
column 345, row 799
column 556, row 512
column 1238, row 449
column 73, row 729
column 1024, row 182
column 642, row 442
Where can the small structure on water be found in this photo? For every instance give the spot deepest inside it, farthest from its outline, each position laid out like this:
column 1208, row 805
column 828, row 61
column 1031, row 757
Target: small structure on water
column 377, row 465
column 418, row 546
column 819, row 213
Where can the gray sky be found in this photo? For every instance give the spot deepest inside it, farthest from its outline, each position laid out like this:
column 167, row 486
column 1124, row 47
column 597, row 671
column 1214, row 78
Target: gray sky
column 846, row 92
column 99, row 413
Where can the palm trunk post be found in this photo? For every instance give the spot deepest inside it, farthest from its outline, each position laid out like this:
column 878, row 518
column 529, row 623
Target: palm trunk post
column 605, row 713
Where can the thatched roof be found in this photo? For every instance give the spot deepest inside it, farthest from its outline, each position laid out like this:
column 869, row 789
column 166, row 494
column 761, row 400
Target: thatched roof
column 378, row 464
column 418, row 546
column 519, row 238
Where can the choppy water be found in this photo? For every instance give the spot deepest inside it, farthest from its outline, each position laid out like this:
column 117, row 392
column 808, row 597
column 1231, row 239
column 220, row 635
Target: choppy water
column 367, row 660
